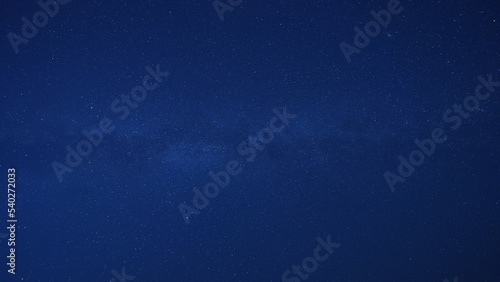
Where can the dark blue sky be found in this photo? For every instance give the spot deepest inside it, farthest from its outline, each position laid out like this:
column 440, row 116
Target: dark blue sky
column 220, row 89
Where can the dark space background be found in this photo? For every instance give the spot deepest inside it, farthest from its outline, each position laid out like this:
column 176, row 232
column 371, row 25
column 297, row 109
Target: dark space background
column 322, row 175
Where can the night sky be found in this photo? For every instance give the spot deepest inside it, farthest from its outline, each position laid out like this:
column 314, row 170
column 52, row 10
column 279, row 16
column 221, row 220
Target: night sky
column 256, row 141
